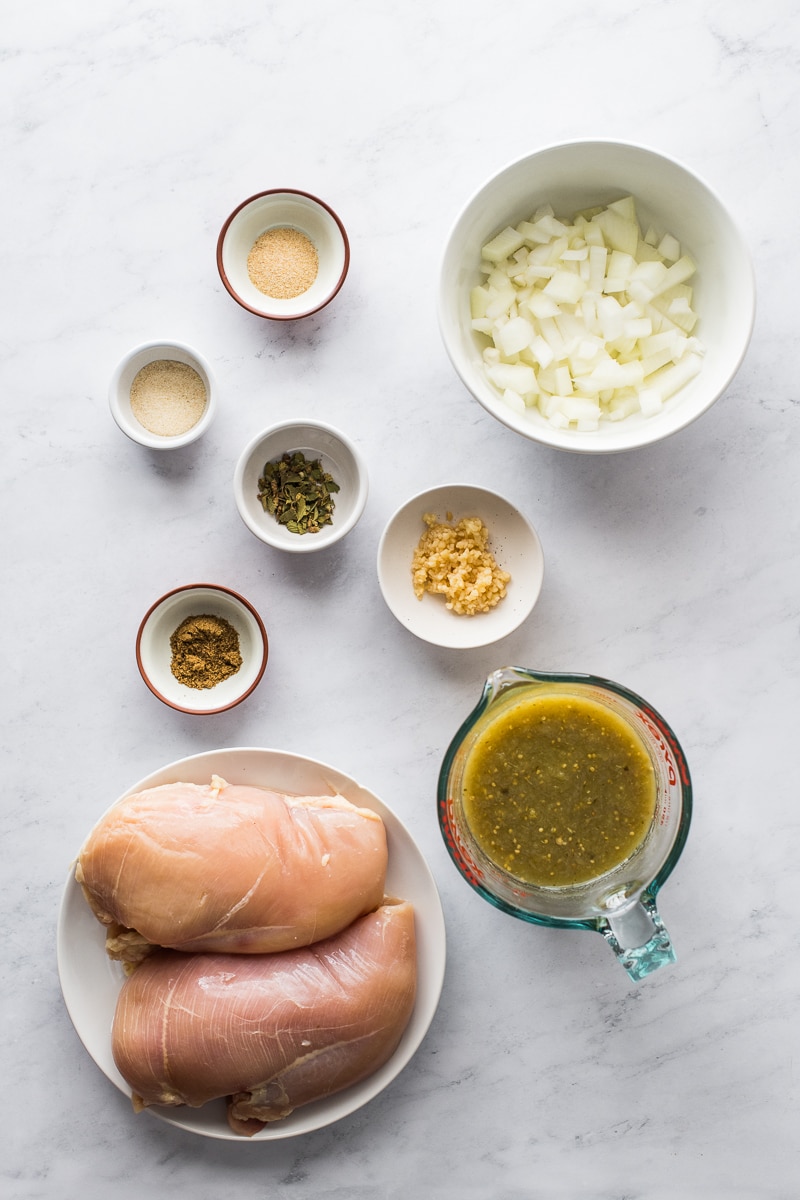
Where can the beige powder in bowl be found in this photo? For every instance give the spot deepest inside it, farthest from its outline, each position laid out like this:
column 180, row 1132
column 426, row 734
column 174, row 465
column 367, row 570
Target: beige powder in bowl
column 167, row 397
column 283, row 263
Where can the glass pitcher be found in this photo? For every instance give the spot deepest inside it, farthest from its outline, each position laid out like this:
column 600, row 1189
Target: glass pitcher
column 620, row 903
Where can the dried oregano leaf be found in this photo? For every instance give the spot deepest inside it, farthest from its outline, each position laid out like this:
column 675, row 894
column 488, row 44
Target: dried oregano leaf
column 298, row 493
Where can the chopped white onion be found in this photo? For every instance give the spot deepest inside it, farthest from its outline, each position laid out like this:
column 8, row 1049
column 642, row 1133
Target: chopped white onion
column 587, row 320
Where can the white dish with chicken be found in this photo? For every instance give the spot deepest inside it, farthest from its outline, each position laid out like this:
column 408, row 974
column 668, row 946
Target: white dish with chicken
column 396, row 943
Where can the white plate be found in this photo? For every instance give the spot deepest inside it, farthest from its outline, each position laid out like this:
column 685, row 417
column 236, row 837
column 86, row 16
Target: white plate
column 90, row 982
column 512, row 540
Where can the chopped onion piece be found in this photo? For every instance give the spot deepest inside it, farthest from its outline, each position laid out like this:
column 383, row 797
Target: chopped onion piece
column 515, row 377
column 669, row 248
column 618, row 233
column 514, row 336
column 541, row 351
column 514, row 400
column 566, row 287
column 540, row 305
column 503, row 245
column 626, row 207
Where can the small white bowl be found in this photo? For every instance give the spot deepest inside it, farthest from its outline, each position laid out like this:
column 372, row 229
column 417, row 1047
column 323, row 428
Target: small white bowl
column 575, row 175
column 119, row 393
column 283, row 207
column 338, row 457
column 513, row 542
column 154, row 654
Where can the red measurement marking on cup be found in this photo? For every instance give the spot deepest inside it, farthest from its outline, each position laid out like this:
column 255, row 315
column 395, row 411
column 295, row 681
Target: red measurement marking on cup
column 668, row 749
column 457, row 848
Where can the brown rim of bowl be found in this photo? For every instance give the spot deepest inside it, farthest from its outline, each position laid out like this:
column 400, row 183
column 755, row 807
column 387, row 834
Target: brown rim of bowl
column 190, row 587
column 282, row 316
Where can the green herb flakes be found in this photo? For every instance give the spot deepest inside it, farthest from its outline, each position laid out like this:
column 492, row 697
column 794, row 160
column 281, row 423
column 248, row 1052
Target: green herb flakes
column 298, row 493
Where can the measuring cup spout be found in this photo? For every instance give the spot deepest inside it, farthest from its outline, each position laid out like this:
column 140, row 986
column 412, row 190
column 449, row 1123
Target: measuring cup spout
column 506, row 678
column 638, row 938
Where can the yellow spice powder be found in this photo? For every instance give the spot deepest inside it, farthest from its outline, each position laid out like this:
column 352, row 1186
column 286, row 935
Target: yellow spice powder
column 283, row 263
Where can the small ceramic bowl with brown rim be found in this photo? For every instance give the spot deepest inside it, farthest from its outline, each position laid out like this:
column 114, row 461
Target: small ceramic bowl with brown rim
column 283, row 254
column 195, row 670
column 163, row 395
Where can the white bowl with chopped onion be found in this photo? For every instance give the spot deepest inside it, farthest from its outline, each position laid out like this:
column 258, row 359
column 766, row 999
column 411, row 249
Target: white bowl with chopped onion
column 460, row 566
column 596, row 296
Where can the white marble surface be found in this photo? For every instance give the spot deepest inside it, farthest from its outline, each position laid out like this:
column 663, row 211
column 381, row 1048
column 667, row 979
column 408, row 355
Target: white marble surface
column 129, row 132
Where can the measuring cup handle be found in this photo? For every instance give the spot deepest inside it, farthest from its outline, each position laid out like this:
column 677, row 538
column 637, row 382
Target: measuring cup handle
column 639, row 939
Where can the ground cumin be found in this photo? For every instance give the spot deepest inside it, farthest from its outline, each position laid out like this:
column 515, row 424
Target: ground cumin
column 283, row 263
column 205, row 650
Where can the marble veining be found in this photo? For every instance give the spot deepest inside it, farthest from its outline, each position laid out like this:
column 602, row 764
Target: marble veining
column 128, row 136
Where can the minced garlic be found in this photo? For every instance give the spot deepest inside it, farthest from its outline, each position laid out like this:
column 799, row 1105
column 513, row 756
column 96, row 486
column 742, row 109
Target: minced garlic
column 454, row 561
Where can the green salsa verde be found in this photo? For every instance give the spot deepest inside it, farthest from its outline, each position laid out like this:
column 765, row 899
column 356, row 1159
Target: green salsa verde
column 558, row 790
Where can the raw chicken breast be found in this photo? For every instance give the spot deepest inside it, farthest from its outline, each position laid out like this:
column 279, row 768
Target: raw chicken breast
column 230, row 868
column 271, row 1032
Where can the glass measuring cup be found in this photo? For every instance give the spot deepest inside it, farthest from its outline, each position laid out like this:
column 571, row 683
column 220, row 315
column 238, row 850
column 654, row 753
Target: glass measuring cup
column 621, row 903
